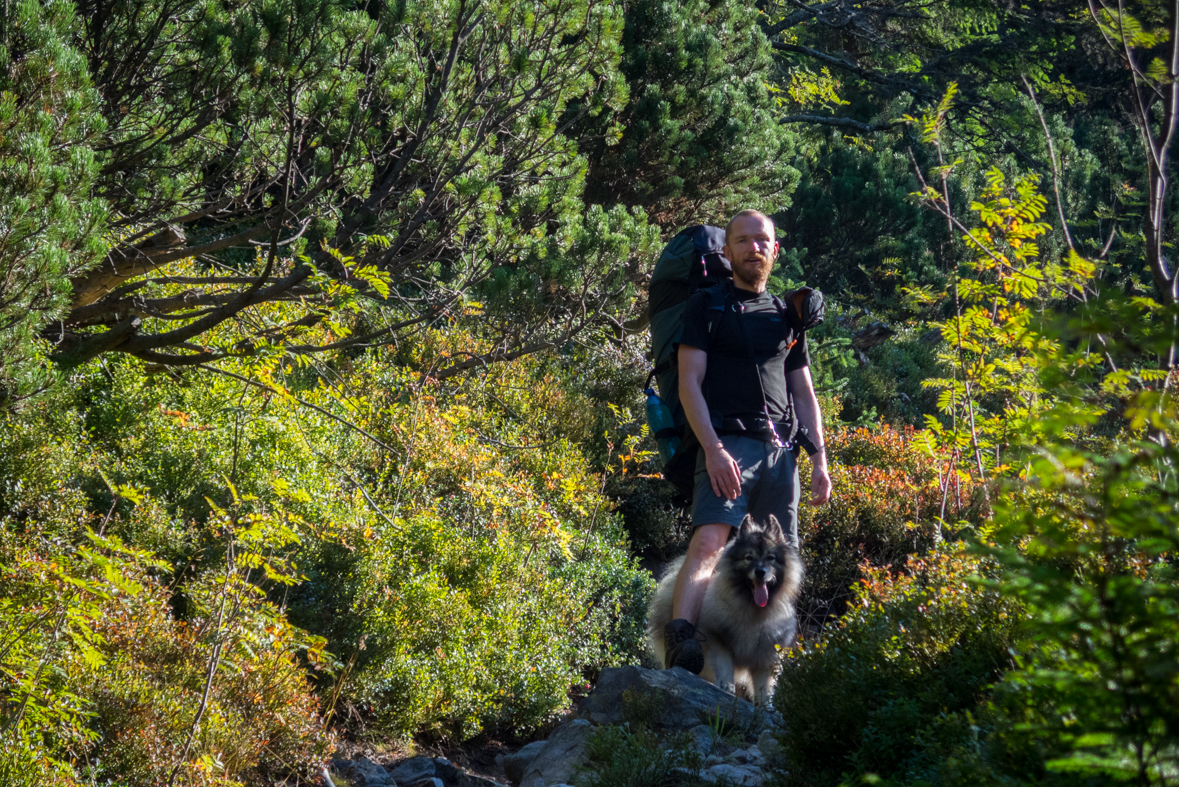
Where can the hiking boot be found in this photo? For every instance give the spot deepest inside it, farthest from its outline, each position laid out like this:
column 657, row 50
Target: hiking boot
column 682, row 644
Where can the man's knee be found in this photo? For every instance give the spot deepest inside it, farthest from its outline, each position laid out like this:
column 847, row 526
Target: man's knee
column 708, row 540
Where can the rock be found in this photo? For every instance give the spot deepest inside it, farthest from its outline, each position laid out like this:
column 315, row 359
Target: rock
column 444, row 769
column 703, row 738
column 471, row 780
column 684, row 700
column 770, row 747
column 517, row 762
column 362, row 773
column 413, row 770
column 433, row 781
column 741, row 756
column 713, row 759
column 755, row 753
column 745, row 777
column 563, row 753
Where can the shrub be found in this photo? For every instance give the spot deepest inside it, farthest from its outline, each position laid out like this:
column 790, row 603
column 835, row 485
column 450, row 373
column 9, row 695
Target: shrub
column 100, row 675
column 892, row 690
column 453, row 544
column 1090, row 548
column 888, row 495
column 620, row 757
column 258, row 714
column 502, row 580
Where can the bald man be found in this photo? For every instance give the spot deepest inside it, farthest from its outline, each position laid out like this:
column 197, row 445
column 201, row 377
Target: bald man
column 740, row 388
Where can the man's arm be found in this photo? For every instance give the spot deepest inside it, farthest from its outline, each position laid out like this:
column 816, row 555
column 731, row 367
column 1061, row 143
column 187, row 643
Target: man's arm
column 722, row 468
column 806, row 410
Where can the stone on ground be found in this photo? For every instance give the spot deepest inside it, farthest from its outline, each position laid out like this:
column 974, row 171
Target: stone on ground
column 563, row 753
column 743, row 776
column 413, row 770
column 362, row 773
column 516, row 763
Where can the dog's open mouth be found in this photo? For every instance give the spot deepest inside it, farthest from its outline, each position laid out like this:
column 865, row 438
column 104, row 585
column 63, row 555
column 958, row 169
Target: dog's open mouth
column 761, row 593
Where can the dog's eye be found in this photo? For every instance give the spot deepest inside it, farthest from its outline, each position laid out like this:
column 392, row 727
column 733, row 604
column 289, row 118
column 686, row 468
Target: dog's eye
column 749, row 557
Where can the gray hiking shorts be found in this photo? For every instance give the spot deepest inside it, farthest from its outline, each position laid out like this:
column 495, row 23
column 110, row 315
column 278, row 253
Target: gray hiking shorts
column 769, row 485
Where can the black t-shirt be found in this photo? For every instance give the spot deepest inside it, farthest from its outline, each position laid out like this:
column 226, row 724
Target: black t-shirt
column 730, row 382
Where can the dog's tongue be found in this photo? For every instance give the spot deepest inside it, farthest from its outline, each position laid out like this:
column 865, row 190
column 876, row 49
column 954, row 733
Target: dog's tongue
column 761, row 594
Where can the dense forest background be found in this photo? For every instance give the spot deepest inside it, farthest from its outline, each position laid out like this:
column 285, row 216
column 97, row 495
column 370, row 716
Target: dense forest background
column 322, row 336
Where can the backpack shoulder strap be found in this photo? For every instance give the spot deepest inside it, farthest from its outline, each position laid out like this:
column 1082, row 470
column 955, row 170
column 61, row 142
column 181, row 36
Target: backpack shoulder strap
column 718, row 301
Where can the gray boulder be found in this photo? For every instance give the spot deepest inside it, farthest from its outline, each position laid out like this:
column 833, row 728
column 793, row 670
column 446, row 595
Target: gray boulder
column 744, row 776
column 684, row 700
column 413, row 770
column 362, row 773
column 516, row 763
column 563, row 753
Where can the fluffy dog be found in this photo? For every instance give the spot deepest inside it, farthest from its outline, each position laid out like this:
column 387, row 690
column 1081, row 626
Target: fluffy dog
column 748, row 609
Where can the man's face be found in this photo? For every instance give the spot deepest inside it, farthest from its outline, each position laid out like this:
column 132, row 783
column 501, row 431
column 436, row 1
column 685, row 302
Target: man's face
column 752, row 248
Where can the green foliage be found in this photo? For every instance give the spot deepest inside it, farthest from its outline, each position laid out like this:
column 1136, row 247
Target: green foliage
column 889, row 497
column 50, row 225
column 892, row 690
column 697, row 139
column 102, row 681
column 219, row 695
column 448, row 543
column 251, row 151
column 1089, row 543
column 853, row 232
column 498, row 580
column 1046, row 370
column 621, row 757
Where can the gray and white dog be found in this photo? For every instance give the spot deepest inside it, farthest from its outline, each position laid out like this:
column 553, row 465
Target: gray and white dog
column 748, row 610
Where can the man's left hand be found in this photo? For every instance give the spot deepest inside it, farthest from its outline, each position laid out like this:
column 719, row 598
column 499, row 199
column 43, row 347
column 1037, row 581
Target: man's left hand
column 820, row 485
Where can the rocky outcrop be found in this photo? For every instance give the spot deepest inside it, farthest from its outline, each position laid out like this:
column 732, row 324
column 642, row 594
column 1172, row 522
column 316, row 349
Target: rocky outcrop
column 736, row 741
column 871, row 336
column 670, row 701
column 680, row 699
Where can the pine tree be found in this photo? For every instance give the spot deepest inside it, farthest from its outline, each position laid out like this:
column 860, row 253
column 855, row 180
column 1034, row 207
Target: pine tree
column 698, row 138
column 50, row 226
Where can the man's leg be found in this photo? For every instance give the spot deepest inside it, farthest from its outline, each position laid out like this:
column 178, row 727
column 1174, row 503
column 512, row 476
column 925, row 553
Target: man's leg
column 681, row 642
column 704, row 551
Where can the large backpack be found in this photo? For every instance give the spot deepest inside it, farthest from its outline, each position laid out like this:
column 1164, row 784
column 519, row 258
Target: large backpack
column 693, row 260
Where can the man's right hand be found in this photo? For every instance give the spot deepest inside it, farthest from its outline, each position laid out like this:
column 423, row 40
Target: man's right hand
column 723, row 472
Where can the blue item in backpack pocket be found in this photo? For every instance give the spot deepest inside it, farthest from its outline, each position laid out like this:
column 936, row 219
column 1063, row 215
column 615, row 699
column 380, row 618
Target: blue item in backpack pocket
column 662, row 426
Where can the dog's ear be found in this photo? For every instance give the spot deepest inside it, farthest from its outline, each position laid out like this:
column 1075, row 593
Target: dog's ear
column 775, row 528
column 747, row 526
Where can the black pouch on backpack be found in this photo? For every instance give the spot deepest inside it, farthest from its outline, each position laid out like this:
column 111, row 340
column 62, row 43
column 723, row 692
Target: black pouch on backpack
column 804, row 309
column 680, row 471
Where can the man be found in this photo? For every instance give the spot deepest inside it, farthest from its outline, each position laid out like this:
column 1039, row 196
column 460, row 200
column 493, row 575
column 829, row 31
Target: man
column 744, row 375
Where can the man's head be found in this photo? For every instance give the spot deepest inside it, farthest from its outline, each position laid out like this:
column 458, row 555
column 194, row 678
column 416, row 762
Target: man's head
column 751, row 245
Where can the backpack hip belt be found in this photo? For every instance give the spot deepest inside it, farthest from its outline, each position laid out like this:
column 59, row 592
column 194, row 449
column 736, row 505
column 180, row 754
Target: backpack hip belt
column 786, row 434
